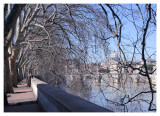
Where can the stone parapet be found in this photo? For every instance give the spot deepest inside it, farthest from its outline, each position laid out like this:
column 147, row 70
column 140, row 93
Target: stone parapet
column 52, row 99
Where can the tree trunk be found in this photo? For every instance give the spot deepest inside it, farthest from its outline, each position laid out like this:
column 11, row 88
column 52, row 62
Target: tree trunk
column 12, row 72
column 5, row 87
column 12, row 17
column 20, row 73
column 9, row 23
column 7, row 79
column 15, row 53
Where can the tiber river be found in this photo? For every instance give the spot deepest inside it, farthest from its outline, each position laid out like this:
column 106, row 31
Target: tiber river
column 109, row 94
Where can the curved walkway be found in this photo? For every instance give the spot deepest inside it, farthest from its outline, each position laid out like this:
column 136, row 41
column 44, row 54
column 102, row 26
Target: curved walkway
column 22, row 100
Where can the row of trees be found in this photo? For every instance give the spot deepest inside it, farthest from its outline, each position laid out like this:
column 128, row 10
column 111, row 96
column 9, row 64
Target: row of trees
column 43, row 37
column 36, row 33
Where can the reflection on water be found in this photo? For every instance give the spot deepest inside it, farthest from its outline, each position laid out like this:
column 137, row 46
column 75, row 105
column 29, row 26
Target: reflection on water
column 109, row 94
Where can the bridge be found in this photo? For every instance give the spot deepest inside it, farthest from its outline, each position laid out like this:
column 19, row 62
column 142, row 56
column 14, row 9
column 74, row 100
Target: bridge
column 45, row 98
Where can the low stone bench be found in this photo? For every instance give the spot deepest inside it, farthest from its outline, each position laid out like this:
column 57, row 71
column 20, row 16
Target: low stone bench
column 52, row 99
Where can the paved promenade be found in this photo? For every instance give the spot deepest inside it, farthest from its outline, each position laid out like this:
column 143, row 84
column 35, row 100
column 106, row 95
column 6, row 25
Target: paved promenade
column 22, row 100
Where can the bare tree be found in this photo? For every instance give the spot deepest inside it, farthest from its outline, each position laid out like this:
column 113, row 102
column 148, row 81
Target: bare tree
column 61, row 40
column 9, row 24
column 141, row 37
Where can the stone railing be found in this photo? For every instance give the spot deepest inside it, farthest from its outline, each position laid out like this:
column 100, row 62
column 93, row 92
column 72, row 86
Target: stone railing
column 56, row 100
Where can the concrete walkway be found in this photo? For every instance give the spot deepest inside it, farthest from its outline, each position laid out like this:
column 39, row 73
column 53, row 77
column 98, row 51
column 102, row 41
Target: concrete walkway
column 22, row 100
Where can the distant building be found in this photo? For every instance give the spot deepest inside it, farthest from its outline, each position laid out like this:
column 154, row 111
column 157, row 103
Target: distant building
column 112, row 64
column 112, row 67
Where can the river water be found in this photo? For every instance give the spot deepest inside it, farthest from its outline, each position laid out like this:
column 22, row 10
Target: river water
column 110, row 94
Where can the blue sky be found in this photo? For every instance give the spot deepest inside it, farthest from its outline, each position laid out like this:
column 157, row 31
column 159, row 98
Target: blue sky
column 129, row 31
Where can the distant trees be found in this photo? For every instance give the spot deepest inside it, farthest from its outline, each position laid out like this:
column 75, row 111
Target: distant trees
column 149, row 67
column 101, row 70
